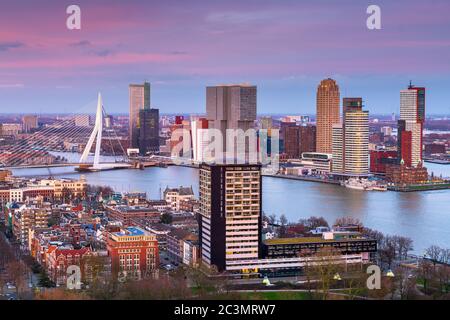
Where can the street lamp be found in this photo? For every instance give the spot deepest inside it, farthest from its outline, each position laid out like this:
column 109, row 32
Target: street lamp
column 337, row 277
column 390, row 274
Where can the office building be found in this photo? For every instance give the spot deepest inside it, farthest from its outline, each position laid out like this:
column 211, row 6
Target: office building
column 29, row 122
column 328, row 102
column 82, row 120
column 200, row 139
column 266, row 123
column 351, row 140
column 379, row 159
column 338, row 148
column 232, row 107
column 139, row 95
column 412, row 119
column 229, row 214
column 148, row 131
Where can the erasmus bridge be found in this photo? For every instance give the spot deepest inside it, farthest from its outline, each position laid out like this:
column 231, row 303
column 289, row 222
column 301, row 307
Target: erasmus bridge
column 40, row 149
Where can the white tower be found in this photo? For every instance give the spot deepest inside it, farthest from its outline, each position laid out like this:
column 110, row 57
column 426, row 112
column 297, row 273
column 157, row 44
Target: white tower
column 98, row 128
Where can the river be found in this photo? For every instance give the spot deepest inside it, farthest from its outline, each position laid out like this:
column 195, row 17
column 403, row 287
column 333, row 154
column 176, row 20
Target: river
column 422, row 216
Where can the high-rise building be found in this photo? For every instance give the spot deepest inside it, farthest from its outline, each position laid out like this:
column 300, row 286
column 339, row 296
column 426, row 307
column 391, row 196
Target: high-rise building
column 200, row 139
column 328, row 101
column 229, row 213
column 148, row 131
column 109, row 121
column 356, row 138
column 351, row 140
column 266, row 123
column 412, row 119
column 29, row 122
column 231, row 107
column 291, row 140
column 82, row 120
column 139, row 100
column 338, row 148
column 308, row 139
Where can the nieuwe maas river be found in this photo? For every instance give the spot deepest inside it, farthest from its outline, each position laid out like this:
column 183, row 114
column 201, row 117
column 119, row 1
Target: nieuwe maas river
column 422, row 216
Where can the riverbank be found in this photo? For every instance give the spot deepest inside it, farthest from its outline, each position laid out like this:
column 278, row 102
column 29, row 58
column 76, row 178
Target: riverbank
column 417, row 188
column 301, row 178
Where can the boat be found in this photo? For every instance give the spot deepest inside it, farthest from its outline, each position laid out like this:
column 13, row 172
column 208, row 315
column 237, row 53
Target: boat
column 364, row 185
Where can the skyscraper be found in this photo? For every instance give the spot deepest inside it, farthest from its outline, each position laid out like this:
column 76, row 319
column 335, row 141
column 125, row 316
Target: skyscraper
column 328, row 101
column 231, row 107
column 139, row 100
column 412, row 115
column 350, row 145
column 200, row 139
column 148, row 131
column 29, row 122
column 338, row 148
column 230, row 213
column 356, row 137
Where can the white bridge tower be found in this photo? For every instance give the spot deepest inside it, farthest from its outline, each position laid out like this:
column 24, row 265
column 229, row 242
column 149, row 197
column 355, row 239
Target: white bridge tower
column 97, row 132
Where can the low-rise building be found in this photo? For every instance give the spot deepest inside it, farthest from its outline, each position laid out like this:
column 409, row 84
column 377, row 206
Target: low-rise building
column 403, row 175
column 174, row 196
column 134, row 253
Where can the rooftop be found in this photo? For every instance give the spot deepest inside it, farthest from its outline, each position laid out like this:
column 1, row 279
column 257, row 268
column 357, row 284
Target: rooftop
column 130, row 231
column 281, row 241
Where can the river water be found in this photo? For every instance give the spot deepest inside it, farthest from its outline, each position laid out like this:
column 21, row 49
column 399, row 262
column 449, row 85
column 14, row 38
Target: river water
column 422, row 216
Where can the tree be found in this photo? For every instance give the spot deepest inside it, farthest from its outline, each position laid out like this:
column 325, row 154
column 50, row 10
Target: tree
column 425, row 273
column 314, row 222
column 343, row 221
column 325, row 268
column 166, row 218
column 283, row 223
column 387, row 251
column 17, row 271
column 403, row 246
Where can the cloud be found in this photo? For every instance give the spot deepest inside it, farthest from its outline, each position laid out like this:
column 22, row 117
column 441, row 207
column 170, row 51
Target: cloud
column 102, row 53
column 11, row 85
column 82, row 43
column 5, row 46
column 176, row 53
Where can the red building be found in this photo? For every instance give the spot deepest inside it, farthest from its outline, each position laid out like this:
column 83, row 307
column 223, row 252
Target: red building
column 379, row 160
column 406, row 148
column 134, row 253
column 59, row 259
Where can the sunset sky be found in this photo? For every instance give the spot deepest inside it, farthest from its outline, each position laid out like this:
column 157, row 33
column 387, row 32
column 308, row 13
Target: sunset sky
column 285, row 47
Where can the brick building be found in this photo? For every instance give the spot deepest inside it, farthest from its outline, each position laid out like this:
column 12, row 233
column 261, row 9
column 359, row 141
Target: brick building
column 134, row 253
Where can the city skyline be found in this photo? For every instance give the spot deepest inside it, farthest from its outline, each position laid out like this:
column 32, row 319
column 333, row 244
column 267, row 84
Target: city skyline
column 285, row 49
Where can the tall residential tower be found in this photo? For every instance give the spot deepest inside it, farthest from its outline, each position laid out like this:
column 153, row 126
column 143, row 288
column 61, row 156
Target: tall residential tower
column 328, row 100
column 410, row 130
column 230, row 214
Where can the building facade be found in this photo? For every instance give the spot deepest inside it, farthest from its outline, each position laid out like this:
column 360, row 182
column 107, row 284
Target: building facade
column 231, row 107
column 328, row 102
column 134, row 253
column 148, row 131
column 351, row 140
column 412, row 119
column 139, row 100
column 229, row 214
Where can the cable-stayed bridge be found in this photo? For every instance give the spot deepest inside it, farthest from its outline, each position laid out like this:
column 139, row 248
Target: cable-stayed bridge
column 43, row 148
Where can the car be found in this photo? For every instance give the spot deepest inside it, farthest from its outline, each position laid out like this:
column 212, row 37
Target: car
column 10, row 286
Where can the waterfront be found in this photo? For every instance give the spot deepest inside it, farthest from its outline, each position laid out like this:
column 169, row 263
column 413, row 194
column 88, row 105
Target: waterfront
column 422, row 216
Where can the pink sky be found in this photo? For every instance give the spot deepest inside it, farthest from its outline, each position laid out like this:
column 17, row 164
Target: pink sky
column 284, row 47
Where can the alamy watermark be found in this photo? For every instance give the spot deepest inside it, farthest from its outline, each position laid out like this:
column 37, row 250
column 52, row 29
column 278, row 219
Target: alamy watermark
column 73, row 21
column 374, row 20
column 235, row 146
